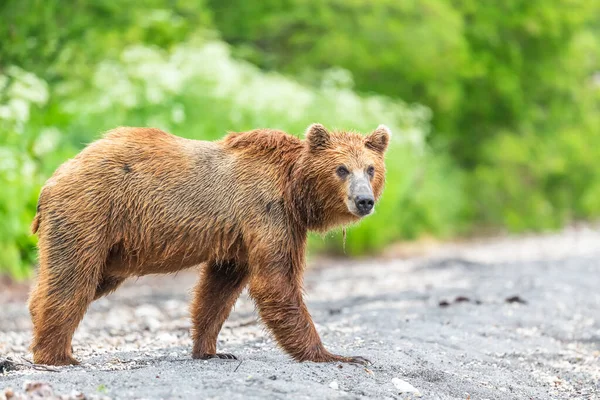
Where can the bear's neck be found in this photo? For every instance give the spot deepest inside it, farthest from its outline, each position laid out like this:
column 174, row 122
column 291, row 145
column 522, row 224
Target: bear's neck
column 305, row 204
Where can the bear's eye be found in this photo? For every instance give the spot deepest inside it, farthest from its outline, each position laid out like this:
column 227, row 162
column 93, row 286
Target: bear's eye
column 342, row 172
column 371, row 171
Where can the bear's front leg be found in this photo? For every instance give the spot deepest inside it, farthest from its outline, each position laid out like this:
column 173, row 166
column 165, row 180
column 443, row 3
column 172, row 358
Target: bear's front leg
column 278, row 296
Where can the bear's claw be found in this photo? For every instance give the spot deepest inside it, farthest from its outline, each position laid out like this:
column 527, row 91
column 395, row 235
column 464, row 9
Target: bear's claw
column 222, row 356
column 358, row 360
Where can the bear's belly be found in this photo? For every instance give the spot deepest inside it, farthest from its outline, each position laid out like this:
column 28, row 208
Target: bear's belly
column 125, row 263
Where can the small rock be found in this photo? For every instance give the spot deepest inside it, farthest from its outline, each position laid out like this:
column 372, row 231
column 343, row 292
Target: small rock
column 334, row 385
column 76, row 395
column 38, row 389
column 9, row 393
column 166, row 337
column 515, row 299
column 145, row 311
column 405, row 387
column 152, row 324
column 7, row 365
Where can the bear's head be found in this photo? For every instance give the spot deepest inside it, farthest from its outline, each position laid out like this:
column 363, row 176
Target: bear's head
column 343, row 174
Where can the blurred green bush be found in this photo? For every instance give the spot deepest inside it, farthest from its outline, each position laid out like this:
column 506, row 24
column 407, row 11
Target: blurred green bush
column 197, row 90
column 514, row 88
column 508, row 136
column 482, row 67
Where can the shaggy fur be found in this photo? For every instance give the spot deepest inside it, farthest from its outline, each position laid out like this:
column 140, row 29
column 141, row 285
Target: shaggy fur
column 141, row 201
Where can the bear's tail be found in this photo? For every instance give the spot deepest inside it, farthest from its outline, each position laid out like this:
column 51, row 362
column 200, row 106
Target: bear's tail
column 35, row 224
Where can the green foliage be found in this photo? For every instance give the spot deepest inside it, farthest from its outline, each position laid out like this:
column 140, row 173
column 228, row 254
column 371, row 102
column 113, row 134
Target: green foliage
column 547, row 175
column 523, row 71
column 197, row 90
column 510, row 85
column 508, row 135
column 561, row 186
column 19, row 174
column 45, row 32
column 413, row 49
column 482, row 68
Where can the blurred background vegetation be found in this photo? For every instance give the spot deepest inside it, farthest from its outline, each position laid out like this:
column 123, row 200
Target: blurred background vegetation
column 494, row 105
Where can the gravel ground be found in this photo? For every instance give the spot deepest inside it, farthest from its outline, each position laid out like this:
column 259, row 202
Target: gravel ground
column 502, row 319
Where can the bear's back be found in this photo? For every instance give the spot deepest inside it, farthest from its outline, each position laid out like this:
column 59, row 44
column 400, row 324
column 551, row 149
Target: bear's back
column 137, row 168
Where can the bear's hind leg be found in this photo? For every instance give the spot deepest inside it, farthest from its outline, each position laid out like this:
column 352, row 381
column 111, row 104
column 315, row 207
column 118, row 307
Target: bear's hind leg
column 34, row 300
column 214, row 296
column 58, row 304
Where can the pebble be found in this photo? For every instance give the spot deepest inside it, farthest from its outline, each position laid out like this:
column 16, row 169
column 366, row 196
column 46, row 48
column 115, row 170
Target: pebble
column 405, row 387
column 42, row 390
column 334, row 385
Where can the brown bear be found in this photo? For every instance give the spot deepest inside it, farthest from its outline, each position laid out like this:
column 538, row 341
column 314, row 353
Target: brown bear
column 141, row 201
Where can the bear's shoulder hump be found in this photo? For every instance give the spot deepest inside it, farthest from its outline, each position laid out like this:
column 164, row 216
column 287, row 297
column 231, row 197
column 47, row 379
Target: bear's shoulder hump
column 264, row 139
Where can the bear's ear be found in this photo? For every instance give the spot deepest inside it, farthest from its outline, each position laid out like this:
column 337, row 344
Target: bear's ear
column 317, row 137
column 379, row 139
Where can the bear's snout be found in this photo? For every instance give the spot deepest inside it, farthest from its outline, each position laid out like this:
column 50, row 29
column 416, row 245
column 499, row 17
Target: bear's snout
column 361, row 199
column 364, row 204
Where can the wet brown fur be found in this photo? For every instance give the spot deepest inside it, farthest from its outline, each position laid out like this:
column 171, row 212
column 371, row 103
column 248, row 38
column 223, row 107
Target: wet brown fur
column 141, row 201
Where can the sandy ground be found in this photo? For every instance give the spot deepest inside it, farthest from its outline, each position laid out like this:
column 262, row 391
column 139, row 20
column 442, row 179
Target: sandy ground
column 437, row 326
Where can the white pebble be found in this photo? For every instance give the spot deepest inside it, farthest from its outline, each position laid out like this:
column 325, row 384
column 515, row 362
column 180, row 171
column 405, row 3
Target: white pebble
column 145, row 311
column 334, row 385
column 405, row 387
column 152, row 324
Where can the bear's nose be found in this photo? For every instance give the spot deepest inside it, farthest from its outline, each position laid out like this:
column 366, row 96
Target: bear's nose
column 364, row 204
